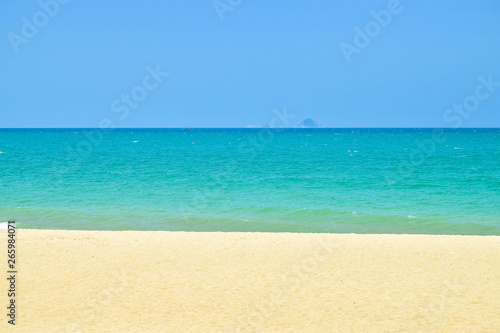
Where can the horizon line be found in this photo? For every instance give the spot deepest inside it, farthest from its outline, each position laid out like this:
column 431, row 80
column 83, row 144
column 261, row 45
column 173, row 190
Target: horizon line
column 249, row 128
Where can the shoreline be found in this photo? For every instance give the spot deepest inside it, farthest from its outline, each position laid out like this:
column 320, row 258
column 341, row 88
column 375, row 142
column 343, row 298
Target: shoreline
column 3, row 226
column 178, row 281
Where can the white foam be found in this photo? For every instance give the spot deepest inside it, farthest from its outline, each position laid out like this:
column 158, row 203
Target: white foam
column 134, row 141
column 2, row 152
column 457, row 148
column 412, row 217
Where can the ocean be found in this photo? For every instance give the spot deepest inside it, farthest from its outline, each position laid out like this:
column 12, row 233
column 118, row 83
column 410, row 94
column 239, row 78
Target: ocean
column 418, row 181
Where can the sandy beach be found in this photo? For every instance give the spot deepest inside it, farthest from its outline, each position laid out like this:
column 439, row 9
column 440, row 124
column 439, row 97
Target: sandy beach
column 99, row 281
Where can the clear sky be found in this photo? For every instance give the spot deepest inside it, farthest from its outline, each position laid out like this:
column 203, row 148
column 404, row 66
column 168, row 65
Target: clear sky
column 230, row 65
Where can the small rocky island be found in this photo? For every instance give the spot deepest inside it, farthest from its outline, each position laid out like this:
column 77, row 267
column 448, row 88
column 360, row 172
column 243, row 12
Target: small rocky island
column 309, row 123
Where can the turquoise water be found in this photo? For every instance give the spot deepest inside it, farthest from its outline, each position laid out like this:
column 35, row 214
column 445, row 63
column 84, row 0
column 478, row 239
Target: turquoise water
column 307, row 180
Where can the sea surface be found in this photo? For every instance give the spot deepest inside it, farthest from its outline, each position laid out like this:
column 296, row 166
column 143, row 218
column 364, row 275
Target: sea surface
column 272, row 180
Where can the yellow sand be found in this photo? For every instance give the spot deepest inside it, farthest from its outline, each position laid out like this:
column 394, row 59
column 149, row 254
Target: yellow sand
column 80, row 281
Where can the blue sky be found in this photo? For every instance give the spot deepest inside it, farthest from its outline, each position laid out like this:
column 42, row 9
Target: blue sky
column 78, row 67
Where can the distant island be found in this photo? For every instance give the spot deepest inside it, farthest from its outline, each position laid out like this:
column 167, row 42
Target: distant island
column 306, row 123
column 309, row 123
